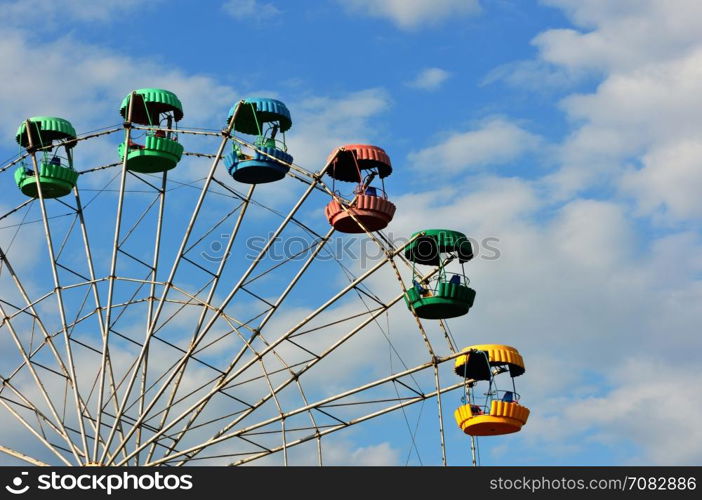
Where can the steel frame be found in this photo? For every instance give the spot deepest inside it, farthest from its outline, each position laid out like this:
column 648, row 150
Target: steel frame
column 136, row 436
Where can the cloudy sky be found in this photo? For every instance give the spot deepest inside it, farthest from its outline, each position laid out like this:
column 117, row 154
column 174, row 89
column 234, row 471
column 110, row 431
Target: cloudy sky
column 569, row 130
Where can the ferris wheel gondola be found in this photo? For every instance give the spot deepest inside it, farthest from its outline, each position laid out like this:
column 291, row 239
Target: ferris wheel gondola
column 445, row 297
column 53, row 139
column 159, row 110
column 269, row 159
column 500, row 412
column 370, row 208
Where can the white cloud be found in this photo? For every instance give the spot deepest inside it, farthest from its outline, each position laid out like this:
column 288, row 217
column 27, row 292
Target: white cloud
column 669, row 181
column 343, row 453
column 647, row 408
column 92, row 84
column 614, row 37
column 636, row 117
column 641, row 114
column 500, row 200
column 88, row 86
column 579, row 293
column 21, row 249
column 321, row 124
column 593, row 233
column 412, row 14
column 430, row 79
column 617, row 35
column 337, row 452
column 244, row 9
column 496, row 141
column 535, row 75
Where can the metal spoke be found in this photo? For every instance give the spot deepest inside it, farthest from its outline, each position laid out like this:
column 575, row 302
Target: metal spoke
column 41, row 438
column 98, row 311
column 152, row 292
column 171, row 276
column 324, row 402
column 210, row 295
column 111, row 287
column 200, row 333
column 22, row 456
column 79, row 407
column 231, row 374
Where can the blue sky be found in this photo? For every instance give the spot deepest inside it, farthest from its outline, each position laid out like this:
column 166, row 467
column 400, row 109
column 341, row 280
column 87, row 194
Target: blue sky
column 567, row 129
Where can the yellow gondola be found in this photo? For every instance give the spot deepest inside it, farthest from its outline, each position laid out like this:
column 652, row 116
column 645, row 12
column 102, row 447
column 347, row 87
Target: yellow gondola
column 502, row 413
column 504, row 418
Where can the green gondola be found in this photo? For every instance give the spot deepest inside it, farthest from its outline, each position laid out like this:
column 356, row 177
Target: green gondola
column 443, row 297
column 51, row 141
column 158, row 109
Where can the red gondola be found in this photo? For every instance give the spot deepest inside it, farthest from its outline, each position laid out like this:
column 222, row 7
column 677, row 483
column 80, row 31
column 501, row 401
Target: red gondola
column 369, row 210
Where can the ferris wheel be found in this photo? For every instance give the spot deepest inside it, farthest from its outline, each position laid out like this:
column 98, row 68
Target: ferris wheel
column 189, row 306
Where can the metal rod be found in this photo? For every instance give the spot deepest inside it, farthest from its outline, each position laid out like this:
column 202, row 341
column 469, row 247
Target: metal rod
column 228, row 376
column 447, row 336
column 22, row 456
column 296, row 278
column 210, row 295
column 26, row 359
column 98, row 306
column 36, row 434
column 353, row 216
column 273, row 393
column 318, row 404
column 111, row 281
column 59, row 297
column 355, row 421
column 152, row 291
column 314, row 361
column 40, row 415
column 198, row 336
column 169, row 281
column 62, row 143
column 441, row 415
column 230, row 296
